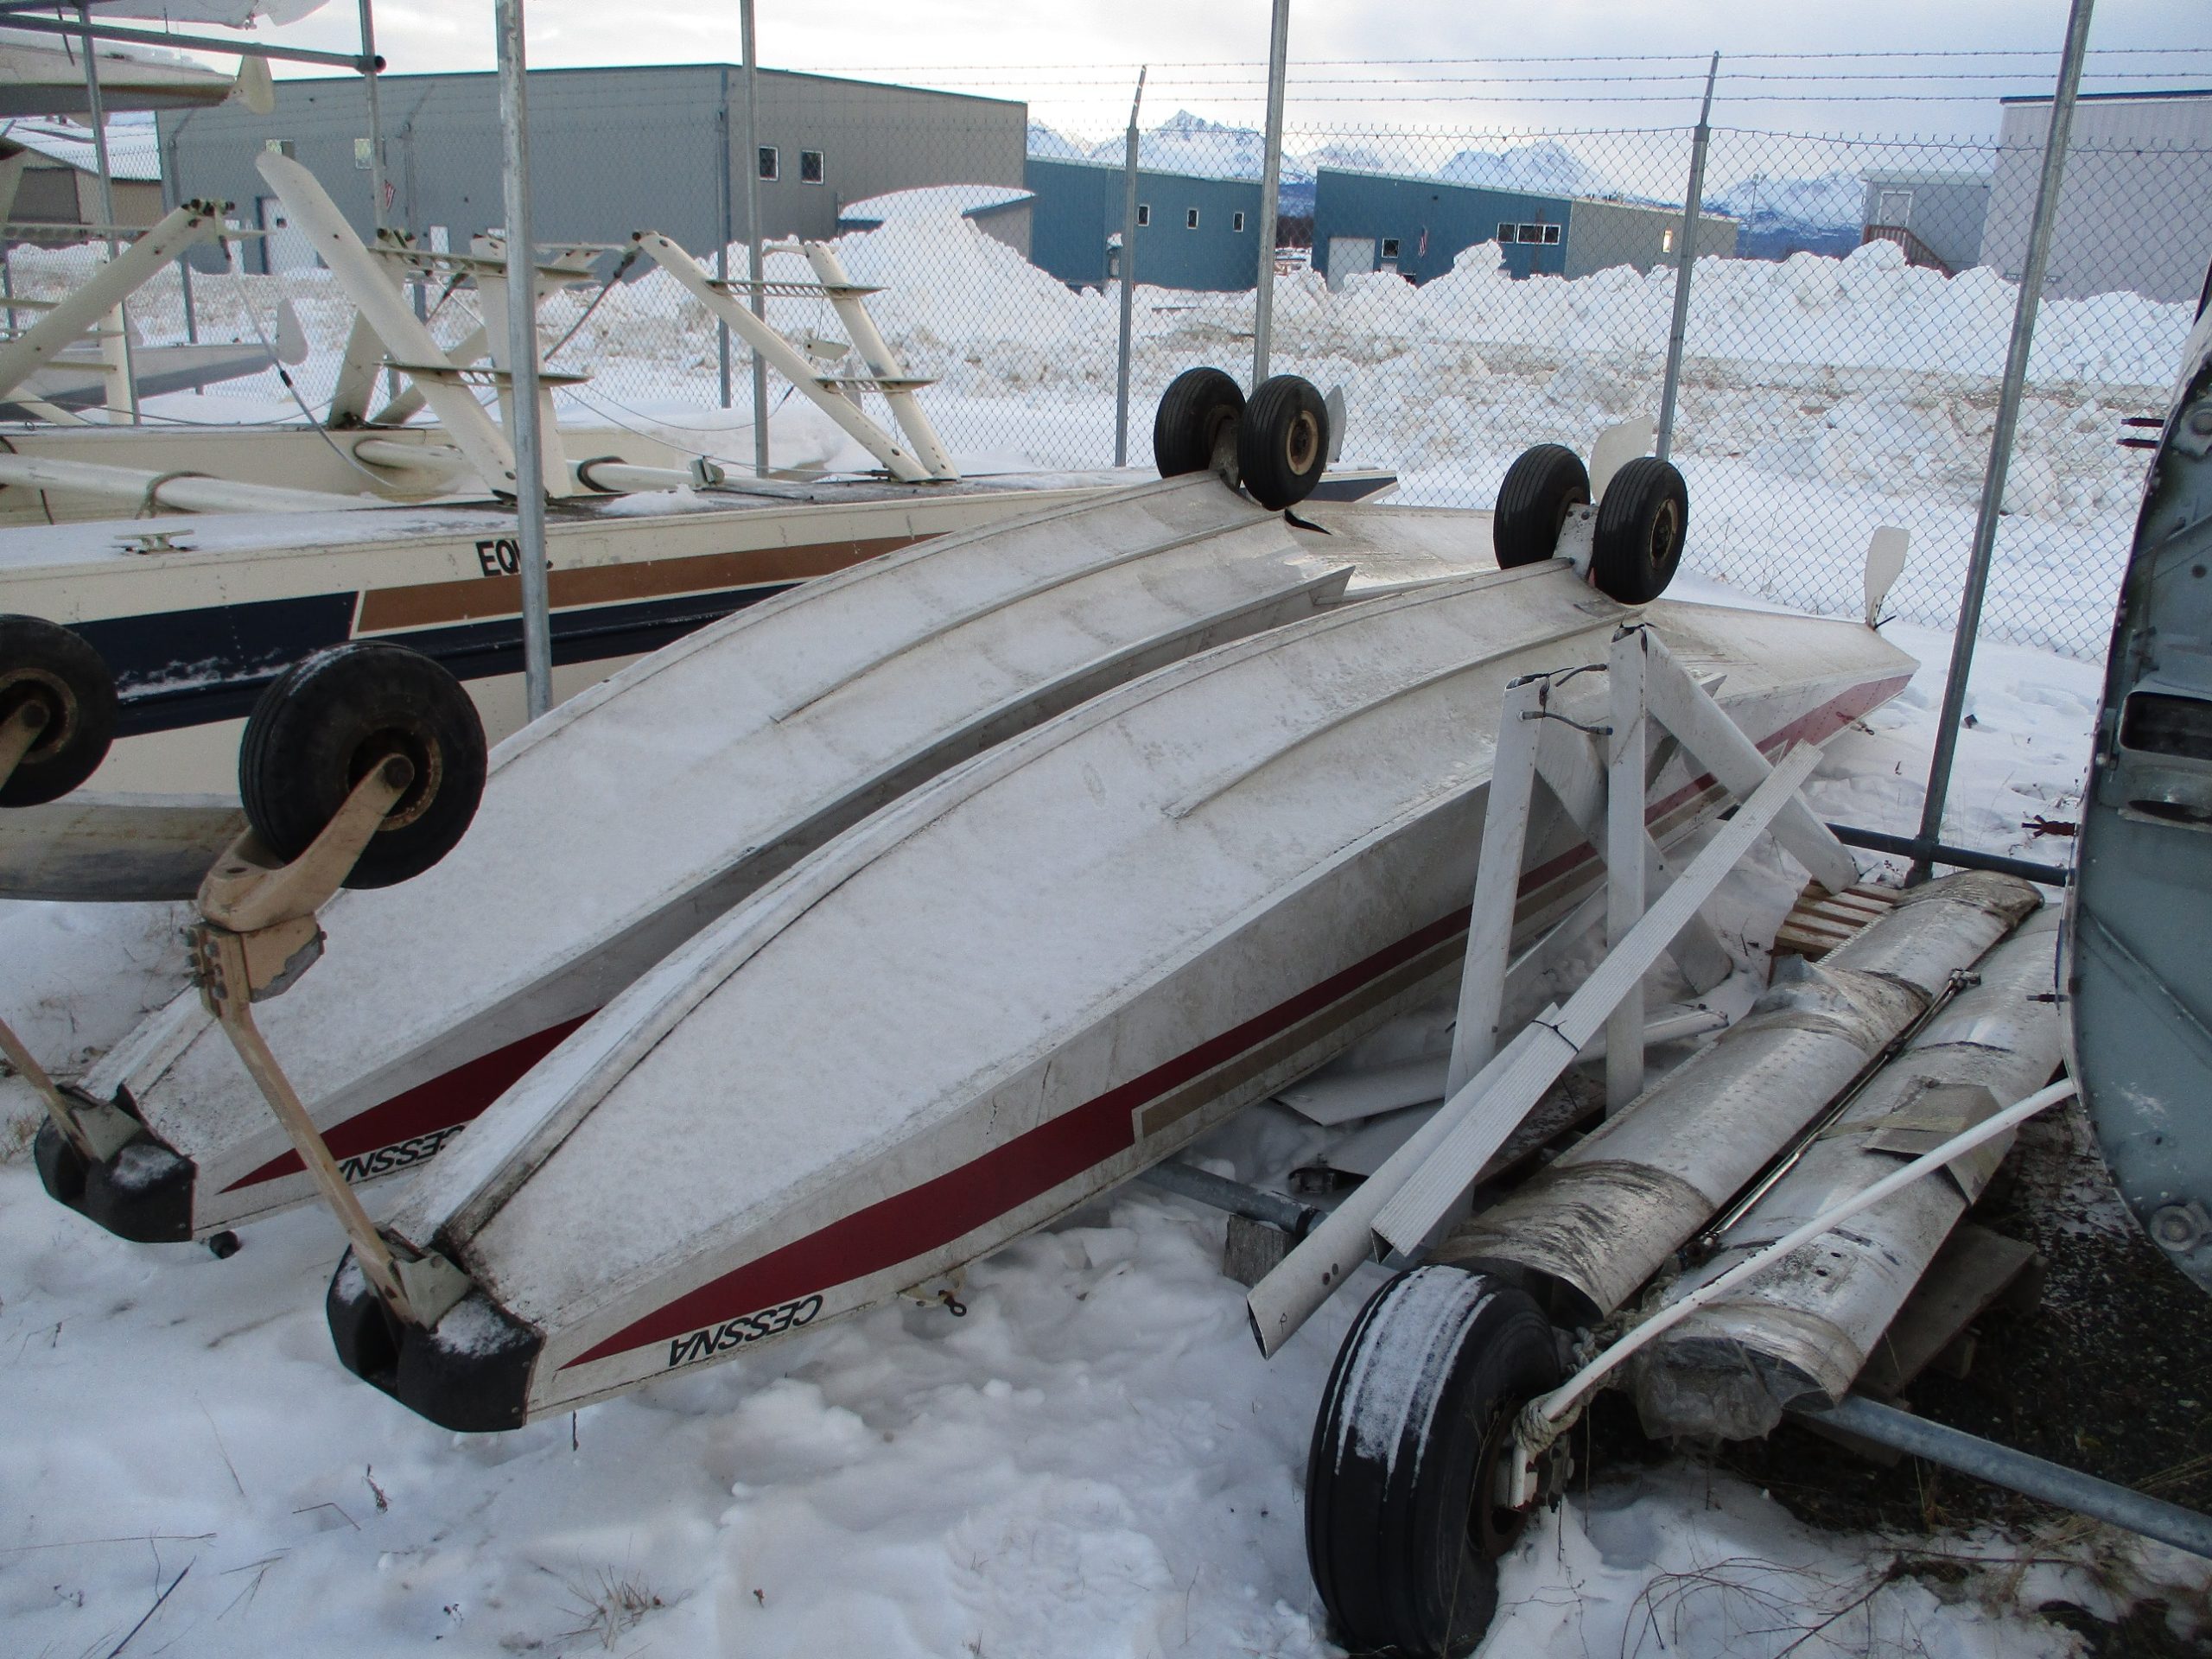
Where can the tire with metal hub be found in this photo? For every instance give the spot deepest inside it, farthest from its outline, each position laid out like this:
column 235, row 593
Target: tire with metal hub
column 1540, row 486
column 1283, row 443
column 1403, row 1530
column 1641, row 520
column 323, row 723
column 43, row 663
column 1198, row 408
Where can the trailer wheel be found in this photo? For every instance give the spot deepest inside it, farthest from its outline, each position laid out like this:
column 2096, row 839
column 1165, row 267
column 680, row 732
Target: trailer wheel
column 326, row 720
column 1198, row 406
column 43, row 663
column 1283, row 443
column 1641, row 522
column 1401, row 1531
column 1540, row 486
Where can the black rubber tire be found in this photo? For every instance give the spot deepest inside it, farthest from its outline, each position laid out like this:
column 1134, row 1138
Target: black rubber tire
column 1540, row 486
column 1283, row 443
column 1405, row 1558
column 324, row 723
column 43, row 662
column 1197, row 407
column 1641, row 522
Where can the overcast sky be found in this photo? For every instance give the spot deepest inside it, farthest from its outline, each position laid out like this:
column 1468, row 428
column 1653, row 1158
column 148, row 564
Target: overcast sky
column 1073, row 61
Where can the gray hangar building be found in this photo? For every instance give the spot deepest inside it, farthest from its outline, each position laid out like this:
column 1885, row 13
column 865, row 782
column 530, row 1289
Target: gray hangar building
column 611, row 151
column 1192, row 232
column 1416, row 226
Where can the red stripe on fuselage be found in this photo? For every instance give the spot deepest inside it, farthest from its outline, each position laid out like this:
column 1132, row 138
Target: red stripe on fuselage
column 923, row 1219
column 456, row 1097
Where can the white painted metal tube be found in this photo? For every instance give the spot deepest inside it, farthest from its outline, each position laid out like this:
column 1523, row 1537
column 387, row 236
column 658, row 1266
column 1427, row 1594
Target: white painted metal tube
column 882, row 360
column 1564, row 1399
column 1736, row 761
column 1310, row 1274
column 182, row 492
column 619, row 476
column 368, row 284
column 1430, row 1193
column 83, row 307
column 781, row 355
column 411, row 457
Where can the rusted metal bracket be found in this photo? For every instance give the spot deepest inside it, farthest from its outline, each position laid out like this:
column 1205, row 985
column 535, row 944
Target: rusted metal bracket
column 257, row 935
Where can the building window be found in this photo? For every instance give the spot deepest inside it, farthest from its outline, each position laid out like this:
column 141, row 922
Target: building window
column 1532, row 233
column 1144, row 212
column 1236, row 222
column 1504, row 233
column 1190, row 218
column 1551, row 235
column 1389, row 247
column 1667, row 240
column 769, row 169
column 810, row 167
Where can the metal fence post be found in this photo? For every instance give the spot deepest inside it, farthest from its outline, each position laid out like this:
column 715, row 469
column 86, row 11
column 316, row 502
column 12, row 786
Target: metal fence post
column 97, row 117
column 522, row 363
column 1263, row 302
column 754, row 234
column 1684, row 261
column 1128, row 273
column 376, row 116
column 2000, row 439
column 722, row 242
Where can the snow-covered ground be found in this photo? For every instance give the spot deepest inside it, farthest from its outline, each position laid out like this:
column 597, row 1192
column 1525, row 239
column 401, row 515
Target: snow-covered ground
column 1821, row 397
column 1093, row 1461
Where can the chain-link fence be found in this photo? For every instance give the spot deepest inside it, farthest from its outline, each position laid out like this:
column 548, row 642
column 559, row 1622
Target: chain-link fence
column 1472, row 292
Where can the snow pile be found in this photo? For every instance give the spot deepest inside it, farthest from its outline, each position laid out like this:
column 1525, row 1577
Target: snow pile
column 933, row 201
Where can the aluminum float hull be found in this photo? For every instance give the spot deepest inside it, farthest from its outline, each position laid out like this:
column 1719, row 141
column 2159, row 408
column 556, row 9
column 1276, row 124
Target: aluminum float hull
column 1024, row 983
column 639, row 811
column 2138, row 1008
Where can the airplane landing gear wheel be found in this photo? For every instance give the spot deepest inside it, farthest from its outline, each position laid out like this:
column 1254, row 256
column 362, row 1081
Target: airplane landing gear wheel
column 44, row 664
column 1540, row 486
column 1283, row 443
column 1198, row 407
column 1641, row 523
column 1402, row 1530
column 326, row 720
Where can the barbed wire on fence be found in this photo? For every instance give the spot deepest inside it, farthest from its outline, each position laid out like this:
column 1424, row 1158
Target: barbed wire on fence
column 1847, row 329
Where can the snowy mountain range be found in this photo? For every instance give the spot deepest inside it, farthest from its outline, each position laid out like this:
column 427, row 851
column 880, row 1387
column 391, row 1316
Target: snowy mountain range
column 1781, row 216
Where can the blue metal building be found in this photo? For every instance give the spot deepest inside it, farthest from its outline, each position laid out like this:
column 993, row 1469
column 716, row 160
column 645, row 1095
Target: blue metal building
column 1417, row 226
column 1191, row 231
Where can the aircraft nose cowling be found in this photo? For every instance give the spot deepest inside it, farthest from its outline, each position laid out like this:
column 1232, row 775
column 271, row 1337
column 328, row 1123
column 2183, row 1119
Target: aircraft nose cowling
column 470, row 1371
column 142, row 1192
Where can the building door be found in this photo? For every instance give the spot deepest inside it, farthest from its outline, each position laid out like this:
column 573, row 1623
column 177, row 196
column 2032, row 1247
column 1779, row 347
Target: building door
column 1895, row 208
column 286, row 247
column 1350, row 256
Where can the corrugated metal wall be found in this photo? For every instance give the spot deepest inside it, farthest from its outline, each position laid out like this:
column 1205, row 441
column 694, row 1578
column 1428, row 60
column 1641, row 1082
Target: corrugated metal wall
column 611, row 150
column 1079, row 211
column 1431, row 221
column 1603, row 234
column 2135, row 206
